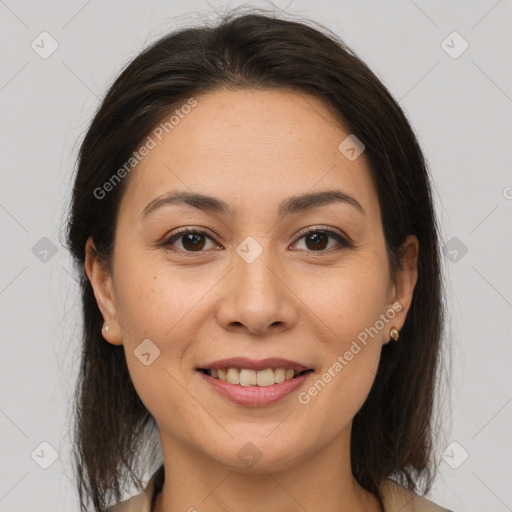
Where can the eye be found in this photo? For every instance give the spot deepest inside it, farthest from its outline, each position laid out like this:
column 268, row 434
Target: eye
column 316, row 239
column 195, row 240
column 192, row 240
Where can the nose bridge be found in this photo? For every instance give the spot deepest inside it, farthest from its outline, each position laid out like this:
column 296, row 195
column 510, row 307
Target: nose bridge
column 256, row 268
column 257, row 296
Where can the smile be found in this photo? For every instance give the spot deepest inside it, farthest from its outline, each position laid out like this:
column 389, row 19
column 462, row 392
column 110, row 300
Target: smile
column 249, row 377
column 254, row 383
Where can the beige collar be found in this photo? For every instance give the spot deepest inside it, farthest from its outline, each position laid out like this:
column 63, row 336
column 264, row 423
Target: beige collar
column 396, row 499
column 399, row 499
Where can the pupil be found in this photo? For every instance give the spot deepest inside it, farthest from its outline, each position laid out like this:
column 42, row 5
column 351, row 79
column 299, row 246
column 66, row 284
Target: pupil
column 317, row 244
column 193, row 240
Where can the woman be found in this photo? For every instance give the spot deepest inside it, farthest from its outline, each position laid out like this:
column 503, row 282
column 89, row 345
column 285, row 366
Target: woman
column 254, row 229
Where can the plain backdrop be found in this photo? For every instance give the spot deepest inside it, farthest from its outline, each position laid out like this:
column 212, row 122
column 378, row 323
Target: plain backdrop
column 456, row 89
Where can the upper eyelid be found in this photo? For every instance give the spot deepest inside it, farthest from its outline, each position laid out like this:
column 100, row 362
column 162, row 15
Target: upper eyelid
column 320, row 228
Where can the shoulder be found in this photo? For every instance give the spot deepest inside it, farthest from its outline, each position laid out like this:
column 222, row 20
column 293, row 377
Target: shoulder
column 400, row 499
column 140, row 502
column 396, row 499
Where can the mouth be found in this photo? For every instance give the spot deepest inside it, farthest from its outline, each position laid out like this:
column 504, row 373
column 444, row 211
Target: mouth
column 243, row 371
column 250, row 377
column 252, row 383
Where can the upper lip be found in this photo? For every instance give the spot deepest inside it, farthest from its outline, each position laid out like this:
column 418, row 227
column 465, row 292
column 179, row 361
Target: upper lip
column 252, row 364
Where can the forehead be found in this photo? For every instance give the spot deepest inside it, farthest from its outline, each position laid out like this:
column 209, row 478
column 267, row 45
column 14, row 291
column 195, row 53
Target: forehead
column 251, row 148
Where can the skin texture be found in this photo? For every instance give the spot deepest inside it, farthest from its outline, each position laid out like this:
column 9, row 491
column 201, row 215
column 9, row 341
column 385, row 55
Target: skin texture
column 252, row 149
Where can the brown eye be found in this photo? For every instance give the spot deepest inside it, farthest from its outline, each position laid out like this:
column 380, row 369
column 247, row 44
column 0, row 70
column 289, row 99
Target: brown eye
column 318, row 239
column 191, row 240
column 196, row 240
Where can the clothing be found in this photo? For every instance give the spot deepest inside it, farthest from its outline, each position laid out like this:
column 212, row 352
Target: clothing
column 396, row 498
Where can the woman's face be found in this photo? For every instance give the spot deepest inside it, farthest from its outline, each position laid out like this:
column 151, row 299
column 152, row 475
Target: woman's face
column 248, row 282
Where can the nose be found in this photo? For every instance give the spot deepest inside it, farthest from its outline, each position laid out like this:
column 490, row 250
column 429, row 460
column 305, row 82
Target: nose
column 257, row 297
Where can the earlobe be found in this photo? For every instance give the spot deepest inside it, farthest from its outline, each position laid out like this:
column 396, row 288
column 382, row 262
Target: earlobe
column 101, row 282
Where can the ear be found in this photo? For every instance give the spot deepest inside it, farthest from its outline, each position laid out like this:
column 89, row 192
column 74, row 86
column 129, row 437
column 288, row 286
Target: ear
column 404, row 283
column 101, row 281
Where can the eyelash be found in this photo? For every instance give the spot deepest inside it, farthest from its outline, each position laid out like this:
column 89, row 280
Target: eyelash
column 342, row 241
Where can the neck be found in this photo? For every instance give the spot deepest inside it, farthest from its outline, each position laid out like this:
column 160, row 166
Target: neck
column 322, row 482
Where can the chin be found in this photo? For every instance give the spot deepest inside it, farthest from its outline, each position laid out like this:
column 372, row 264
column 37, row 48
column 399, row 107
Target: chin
column 258, row 454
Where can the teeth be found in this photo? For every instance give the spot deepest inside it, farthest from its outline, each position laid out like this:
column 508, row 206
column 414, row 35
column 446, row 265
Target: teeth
column 265, row 377
column 279, row 375
column 247, row 377
column 233, row 376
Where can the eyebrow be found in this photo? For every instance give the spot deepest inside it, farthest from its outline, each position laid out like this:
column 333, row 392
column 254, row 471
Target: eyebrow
column 291, row 205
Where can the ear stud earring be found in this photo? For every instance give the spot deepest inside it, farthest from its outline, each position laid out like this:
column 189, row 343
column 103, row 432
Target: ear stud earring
column 105, row 327
column 394, row 333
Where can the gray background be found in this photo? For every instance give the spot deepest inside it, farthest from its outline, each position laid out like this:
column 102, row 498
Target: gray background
column 461, row 110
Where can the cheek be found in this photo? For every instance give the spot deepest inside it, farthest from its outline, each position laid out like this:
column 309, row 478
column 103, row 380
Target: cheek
column 156, row 307
column 150, row 299
column 352, row 300
column 352, row 305
column 343, row 382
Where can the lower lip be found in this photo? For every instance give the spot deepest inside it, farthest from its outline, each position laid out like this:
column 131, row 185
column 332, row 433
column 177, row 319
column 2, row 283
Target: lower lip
column 255, row 396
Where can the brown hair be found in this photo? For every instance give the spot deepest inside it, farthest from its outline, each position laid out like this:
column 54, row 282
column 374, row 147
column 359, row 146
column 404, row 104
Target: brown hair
column 392, row 434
